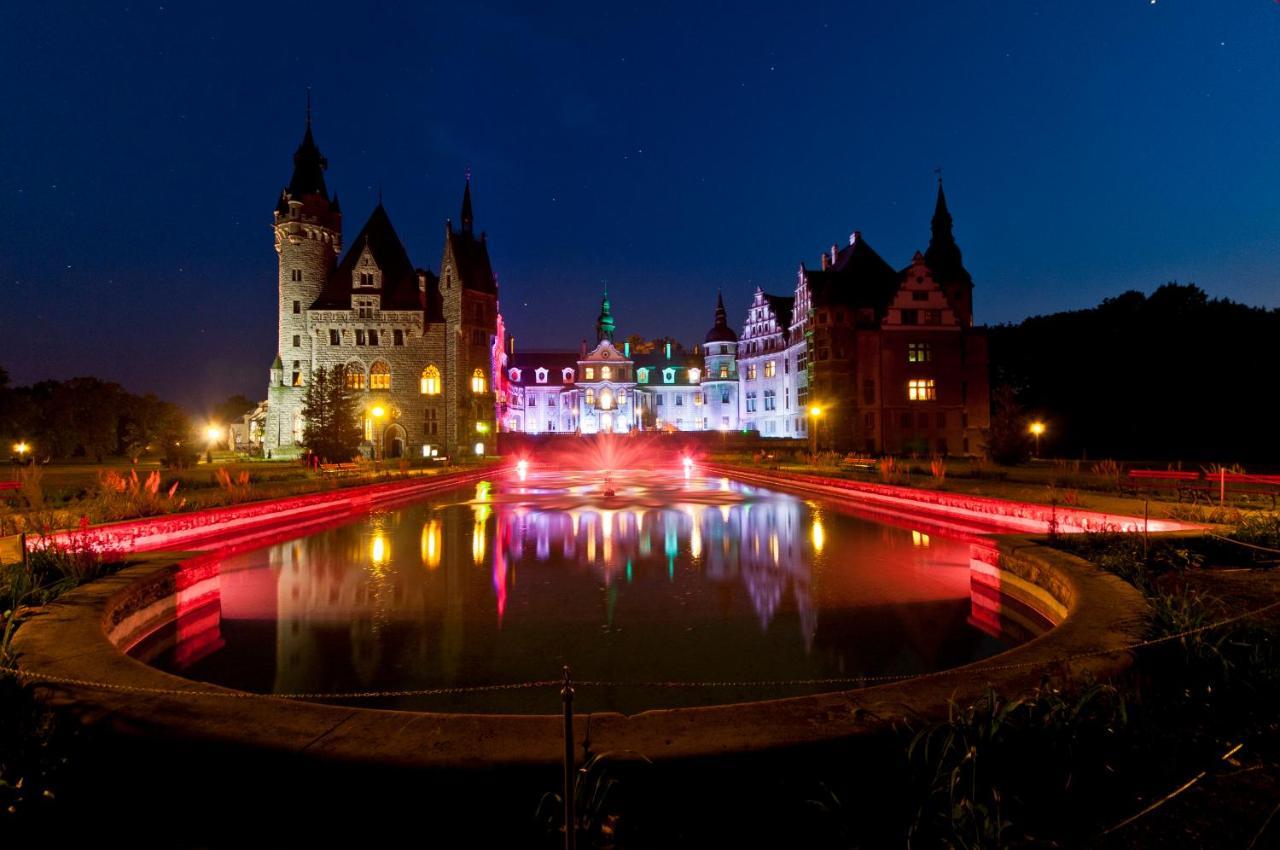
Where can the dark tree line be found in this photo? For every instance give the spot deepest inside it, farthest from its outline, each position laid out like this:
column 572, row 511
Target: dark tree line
column 94, row 419
column 1173, row 375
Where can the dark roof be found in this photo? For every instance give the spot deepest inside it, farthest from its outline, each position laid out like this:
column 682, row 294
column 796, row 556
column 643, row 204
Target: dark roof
column 399, row 288
column 555, row 362
column 308, row 169
column 720, row 331
column 782, row 307
column 472, row 258
column 859, row 277
column 943, row 255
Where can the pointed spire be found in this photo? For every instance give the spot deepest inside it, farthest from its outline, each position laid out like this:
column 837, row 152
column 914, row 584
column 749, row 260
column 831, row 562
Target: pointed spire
column 467, row 219
column 605, row 324
column 720, row 331
column 308, row 165
column 943, row 255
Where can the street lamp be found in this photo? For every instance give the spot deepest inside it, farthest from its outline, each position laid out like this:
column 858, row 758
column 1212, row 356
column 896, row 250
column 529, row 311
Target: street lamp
column 814, row 413
column 21, row 448
column 377, row 413
column 213, row 434
column 1037, row 428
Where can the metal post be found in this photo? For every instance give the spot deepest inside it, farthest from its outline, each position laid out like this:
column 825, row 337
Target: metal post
column 1222, row 486
column 22, row 548
column 570, row 821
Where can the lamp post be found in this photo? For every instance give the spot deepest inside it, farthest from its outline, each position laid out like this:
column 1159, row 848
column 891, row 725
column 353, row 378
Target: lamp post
column 21, row 448
column 377, row 413
column 213, row 435
column 1037, row 428
column 814, row 413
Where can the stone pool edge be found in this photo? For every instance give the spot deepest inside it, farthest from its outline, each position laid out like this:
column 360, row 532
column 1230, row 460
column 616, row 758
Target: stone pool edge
column 1104, row 616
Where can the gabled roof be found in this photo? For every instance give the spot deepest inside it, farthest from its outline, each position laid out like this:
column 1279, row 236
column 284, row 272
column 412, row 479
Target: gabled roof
column 782, row 306
column 858, row 277
column 472, row 258
column 399, row 288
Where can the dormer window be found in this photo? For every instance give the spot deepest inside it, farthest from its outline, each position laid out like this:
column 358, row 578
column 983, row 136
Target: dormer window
column 567, row 375
column 668, row 375
column 642, row 375
column 366, row 279
column 514, row 375
column 694, row 374
column 540, row 375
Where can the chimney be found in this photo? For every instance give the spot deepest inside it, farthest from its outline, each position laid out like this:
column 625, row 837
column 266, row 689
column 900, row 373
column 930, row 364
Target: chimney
column 668, row 351
column 582, row 351
column 833, row 255
column 855, row 237
column 826, row 262
column 626, row 348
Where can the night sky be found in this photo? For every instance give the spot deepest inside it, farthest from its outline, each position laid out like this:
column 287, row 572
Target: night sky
column 666, row 150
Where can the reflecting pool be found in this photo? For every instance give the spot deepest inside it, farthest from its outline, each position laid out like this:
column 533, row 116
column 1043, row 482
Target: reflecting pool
column 644, row 578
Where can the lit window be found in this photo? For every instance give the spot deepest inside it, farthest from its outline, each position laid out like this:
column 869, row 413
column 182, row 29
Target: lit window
column 589, row 373
column 694, row 375
column 591, row 396
column 380, row 376
column 751, row 371
column 430, row 381
column 724, row 370
column 697, row 398
column 642, row 375
column 770, row 368
column 606, row 400
column 919, row 352
column 922, row 390
column 606, row 374
column 478, row 385
column 354, row 376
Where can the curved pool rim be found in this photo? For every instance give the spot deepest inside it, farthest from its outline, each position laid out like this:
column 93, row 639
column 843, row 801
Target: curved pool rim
column 1095, row 613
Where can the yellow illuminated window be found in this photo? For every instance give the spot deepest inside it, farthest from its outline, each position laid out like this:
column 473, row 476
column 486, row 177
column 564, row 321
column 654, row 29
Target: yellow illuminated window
column 605, row 373
column 724, row 370
column 589, row 373
column 430, row 381
column 694, row 375
column 478, row 384
column 770, row 368
column 591, row 396
column 606, row 400
column 922, row 390
column 919, row 352
column 380, row 376
column 354, row 376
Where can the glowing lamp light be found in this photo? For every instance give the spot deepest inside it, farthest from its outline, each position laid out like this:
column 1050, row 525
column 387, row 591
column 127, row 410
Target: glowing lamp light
column 480, row 449
column 815, row 411
column 522, row 468
column 1037, row 428
column 378, row 412
column 213, row 433
column 687, row 462
column 21, row 448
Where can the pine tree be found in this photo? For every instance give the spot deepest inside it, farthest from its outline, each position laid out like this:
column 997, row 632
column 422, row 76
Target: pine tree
column 316, row 414
column 345, row 433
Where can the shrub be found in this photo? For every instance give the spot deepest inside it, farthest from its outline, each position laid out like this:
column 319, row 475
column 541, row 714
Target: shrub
column 238, row 489
column 1261, row 528
column 938, row 468
column 129, row 496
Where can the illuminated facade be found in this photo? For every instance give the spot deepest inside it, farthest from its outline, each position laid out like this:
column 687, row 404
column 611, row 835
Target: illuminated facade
column 890, row 359
column 612, row 389
column 417, row 348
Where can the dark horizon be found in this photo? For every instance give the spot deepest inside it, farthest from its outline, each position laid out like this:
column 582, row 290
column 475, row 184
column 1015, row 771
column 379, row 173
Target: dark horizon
column 1087, row 150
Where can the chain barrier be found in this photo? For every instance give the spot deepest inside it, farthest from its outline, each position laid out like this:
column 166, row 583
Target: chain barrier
column 40, row 678
column 1243, row 543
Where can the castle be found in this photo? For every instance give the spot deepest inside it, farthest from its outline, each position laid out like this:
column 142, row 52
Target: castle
column 417, row 348
column 875, row 359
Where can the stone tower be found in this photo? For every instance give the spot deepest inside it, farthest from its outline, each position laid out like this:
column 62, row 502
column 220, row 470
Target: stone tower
column 308, row 239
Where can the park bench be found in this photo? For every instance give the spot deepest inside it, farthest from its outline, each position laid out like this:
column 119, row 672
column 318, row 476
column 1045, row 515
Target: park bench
column 1221, row 484
column 862, row 464
column 1182, row 483
column 340, row 468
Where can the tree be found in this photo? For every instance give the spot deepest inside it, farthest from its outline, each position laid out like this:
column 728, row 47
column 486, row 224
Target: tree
column 233, row 409
column 332, row 428
column 1007, row 440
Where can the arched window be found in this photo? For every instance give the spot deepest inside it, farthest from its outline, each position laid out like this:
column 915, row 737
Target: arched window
column 478, row 383
column 430, row 380
column 591, row 397
column 606, row 400
column 606, row 374
column 379, row 375
column 353, row 376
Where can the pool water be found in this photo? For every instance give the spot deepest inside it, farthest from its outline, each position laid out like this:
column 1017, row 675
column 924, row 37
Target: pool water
column 648, row 578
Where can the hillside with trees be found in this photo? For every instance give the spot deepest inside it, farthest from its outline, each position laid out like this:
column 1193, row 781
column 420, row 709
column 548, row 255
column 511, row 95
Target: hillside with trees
column 1170, row 376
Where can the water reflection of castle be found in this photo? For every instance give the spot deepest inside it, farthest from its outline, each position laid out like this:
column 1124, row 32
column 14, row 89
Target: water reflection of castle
column 398, row 594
